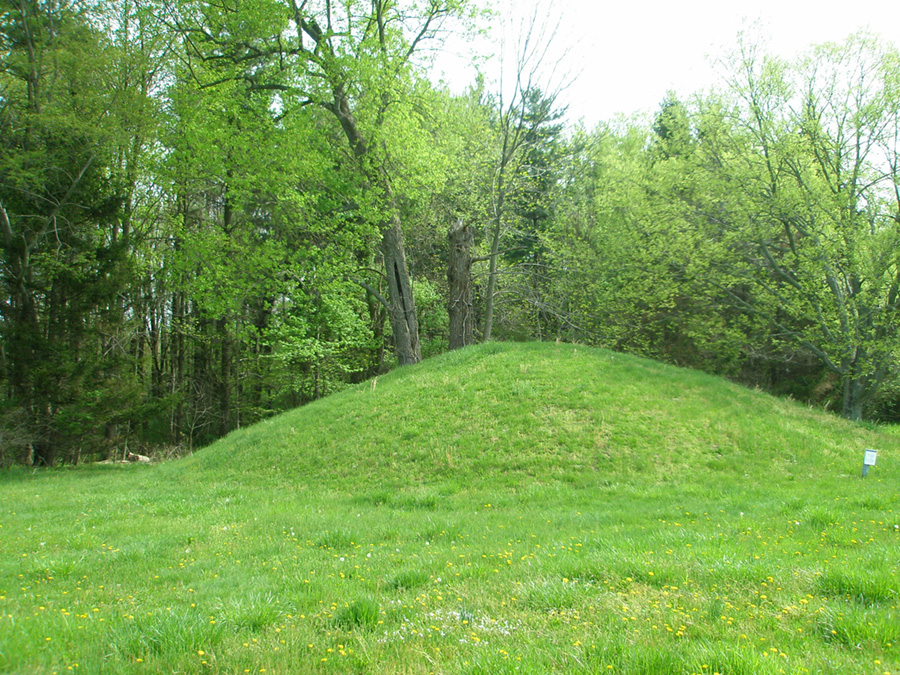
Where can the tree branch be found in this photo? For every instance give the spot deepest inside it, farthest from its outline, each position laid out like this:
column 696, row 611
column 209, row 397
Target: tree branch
column 371, row 289
column 5, row 226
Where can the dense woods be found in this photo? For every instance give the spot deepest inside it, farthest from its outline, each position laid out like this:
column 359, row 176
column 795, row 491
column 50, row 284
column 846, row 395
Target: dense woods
column 212, row 212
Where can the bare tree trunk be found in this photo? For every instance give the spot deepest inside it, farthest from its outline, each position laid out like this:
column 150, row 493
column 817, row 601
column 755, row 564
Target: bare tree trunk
column 178, row 347
column 460, row 305
column 491, row 284
column 225, row 374
column 402, row 310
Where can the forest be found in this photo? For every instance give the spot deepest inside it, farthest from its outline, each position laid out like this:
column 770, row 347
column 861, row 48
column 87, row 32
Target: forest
column 212, row 211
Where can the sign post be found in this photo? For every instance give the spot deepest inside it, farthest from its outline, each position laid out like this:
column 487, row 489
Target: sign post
column 869, row 460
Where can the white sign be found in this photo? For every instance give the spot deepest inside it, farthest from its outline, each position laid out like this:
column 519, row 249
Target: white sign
column 871, row 455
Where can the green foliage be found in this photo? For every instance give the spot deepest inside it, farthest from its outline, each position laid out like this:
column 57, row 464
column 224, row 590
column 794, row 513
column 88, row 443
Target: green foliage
column 66, row 242
column 433, row 326
column 749, row 232
column 526, row 152
column 628, row 250
column 812, row 221
column 534, row 184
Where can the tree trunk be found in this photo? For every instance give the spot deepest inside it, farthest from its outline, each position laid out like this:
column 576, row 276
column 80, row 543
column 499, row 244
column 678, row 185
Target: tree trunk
column 402, row 310
column 225, row 373
column 491, row 288
column 459, row 275
column 495, row 251
column 858, row 385
column 177, row 348
column 853, row 398
column 376, row 317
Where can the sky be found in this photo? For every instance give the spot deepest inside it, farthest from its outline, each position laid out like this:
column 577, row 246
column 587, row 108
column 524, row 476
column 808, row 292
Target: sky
column 622, row 56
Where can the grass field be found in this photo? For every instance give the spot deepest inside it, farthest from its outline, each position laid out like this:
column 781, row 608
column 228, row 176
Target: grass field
column 534, row 508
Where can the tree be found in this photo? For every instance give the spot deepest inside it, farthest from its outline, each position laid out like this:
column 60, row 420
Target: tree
column 532, row 204
column 523, row 111
column 802, row 202
column 358, row 61
column 619, row 249
column 460, row 297
column 66, row 251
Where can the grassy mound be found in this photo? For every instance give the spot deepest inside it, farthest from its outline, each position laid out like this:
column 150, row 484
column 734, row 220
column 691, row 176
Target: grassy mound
column 532, row 508
column 526, row 413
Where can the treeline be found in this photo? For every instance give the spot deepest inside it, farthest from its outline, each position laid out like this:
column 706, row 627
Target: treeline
column 213, row 212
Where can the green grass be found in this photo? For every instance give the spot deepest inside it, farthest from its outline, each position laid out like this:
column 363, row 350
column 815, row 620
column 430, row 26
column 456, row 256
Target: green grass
column 502, row 509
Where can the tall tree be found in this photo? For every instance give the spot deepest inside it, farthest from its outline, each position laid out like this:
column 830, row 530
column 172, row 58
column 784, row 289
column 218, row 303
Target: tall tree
column 66, row 254
column 802, row 199
column 460, row 297
column 359, row 61
column 524, row 104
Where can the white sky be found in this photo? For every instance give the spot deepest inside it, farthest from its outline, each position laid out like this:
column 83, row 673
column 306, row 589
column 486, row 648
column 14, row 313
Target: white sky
column 628, row 53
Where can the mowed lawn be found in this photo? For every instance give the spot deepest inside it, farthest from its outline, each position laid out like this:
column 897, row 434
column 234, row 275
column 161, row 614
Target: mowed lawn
column 534, row 508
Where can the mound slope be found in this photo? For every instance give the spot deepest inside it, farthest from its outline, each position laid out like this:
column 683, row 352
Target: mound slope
column 519, row 413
